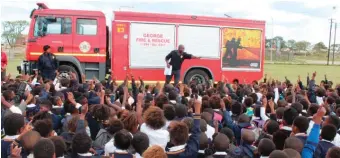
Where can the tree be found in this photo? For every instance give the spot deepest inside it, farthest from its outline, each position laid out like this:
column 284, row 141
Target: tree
column 281, row 41
column 319, row 46
column 268, row 43
column 291, row 44
column 12, row 31
column 302, row 45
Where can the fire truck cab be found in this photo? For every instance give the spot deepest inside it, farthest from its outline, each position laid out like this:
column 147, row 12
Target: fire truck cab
column 79, row 39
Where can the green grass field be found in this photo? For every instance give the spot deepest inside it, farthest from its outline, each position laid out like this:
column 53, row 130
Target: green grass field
column 292, row 72
column 274, row 70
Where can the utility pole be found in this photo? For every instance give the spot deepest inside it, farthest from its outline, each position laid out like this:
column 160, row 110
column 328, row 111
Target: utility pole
column 330, row 38
column 335, row 28
column 271, row 41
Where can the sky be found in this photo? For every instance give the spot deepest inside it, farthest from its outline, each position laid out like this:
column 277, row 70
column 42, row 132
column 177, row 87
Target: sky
column 292, row 19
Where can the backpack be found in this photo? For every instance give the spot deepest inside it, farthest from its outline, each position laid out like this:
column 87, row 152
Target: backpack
column 101, row 139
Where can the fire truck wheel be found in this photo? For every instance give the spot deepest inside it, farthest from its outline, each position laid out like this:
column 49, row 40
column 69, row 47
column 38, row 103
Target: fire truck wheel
column 64, row 71
column 196, row 74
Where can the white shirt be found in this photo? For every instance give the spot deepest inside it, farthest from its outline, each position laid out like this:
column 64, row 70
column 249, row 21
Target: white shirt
column 263, row 115
column 157, row 137
column 336, row 140
column 210, row 132
column 259, row 96
column 319, row 100
column 138, row 155
column 109, row 147
column 167, row 123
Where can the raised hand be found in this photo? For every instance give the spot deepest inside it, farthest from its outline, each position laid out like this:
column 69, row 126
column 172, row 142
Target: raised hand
column 140, row 97
column 15, row 151
column 198, row 106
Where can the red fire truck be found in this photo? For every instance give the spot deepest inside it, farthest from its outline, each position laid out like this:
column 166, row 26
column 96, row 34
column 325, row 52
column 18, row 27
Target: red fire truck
column 138, row 42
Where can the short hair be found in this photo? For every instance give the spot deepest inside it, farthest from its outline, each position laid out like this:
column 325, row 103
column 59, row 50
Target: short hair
column 221, row 142
column 161, row 100
column 320, row 92
column 294, row 143
column 60, row 146
column 292, row 153
column 179, row 132
column 282, row 103
column 100, row 111
column 81, row 143
column 279, row 138
column 44, row 148
column 229, row 133
column 203, row 125
column 140, row 142
column 304, row 103
column 248, row 136
column 172, row 95
column 181, row 110
column 297, row 106
column 169, row 111
column 279, row 112
column 328, row 132
column 122, row 139
column 44, row 127
column 130, row 122
column 272, row 126
column 29, row 139
column 333, row 152
column 289, row 115
column 313, row 108
column 46, row 103
column 7, row 94
column 204, row 141
column 243, row 119
column 278, row 154
column 334, row 120
column 154, row 117
column 115, row 125
column 155, row 151
column 236, row 108
column 207, row 116
column 215, row 102
column 266, row 146
column 189, row 122
column 302, row 123
column 248, row 101
column 13, row 123
column 72, row 124
column 254, row 96
column 46, row 47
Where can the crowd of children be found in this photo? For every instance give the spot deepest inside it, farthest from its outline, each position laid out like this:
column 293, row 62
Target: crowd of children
column 267, row 119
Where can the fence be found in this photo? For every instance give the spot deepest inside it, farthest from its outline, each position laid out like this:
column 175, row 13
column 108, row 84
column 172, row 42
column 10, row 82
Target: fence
column 302, row 57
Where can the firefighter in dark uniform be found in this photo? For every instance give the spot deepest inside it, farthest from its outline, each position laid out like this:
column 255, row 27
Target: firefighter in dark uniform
column 47, row 64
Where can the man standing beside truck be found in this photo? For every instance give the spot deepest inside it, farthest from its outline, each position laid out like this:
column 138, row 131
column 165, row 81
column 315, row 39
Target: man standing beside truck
column 175, row 59
column 47, row 64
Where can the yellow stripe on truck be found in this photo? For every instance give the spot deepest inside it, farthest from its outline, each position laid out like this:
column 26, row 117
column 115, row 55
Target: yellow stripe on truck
column 72, row 54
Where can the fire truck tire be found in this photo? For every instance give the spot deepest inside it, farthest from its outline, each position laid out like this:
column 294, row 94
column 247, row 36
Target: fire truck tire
column 195, row 74
column 64, row 69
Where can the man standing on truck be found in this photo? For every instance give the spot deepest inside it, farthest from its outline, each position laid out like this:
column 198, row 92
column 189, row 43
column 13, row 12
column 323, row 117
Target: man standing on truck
column 175, row 59
column 47, row 64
